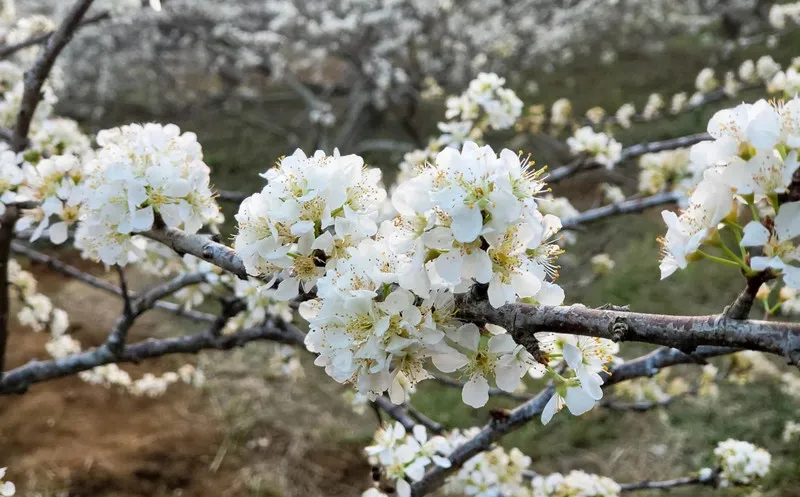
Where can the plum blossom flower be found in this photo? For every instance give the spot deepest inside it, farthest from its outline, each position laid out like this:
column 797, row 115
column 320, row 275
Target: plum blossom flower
column 778, row 248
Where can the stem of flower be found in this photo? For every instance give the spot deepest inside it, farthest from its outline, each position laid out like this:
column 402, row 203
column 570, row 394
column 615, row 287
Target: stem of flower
column 720, row 260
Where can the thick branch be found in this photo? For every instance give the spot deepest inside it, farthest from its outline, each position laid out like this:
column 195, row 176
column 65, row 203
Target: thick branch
column 200, row 246
column 37, row 75
column 73, row 272
column 7, row 222
column 685, row 333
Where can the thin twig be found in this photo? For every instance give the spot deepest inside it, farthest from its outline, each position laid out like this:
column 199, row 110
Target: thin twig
column 19, row 379
column 8, row 50
column 73, row 272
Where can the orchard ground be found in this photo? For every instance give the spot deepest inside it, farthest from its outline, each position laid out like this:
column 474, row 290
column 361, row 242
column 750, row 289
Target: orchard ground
column 252, row 432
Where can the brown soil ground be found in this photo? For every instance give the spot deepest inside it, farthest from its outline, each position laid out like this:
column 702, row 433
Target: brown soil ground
column 69, row 438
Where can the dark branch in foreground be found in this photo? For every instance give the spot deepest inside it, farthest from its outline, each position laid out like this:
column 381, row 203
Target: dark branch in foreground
column 685, row 333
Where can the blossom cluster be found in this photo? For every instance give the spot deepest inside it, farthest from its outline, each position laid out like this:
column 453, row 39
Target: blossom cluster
column 403, row 456
column 141, row 175
column 310, row 213
column 740, row 463
column 148, row 385
column 668, row 169
column 750, row 162
column 36, row 310
column 54, row 184
column 601, row 147
column 579, row 386
column 485, row 105
column 384, row 297
column 494, row 472
column 576, row 483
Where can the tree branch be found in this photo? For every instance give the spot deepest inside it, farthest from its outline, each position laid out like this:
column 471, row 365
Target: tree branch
column 200, row 246
column 626, row 207
column 7, row 222
column 9, row 50
column 135, row 308
column 685, row 333
column 587, row 163
column 19, row 379
column 37, row 75
column 73, row 272
column 664, row 484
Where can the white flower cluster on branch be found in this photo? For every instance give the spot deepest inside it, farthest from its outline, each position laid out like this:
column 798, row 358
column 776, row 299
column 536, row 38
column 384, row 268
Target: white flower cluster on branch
column 749, row 164
column 139, row 174
column 740, row 463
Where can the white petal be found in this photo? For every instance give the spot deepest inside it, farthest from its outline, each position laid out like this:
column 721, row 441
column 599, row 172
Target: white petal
column 142, row 219
column 755, row 235
column 787, row 222
column 508, row 378
column 573, row 356
column 476, row 391
column 467, row 224
column 59, row 233
column 288, row 289
column 578, row 401
column 8, row 489
column 550, row 409
column 403, row 488
column 467, row 336
column 502, row 344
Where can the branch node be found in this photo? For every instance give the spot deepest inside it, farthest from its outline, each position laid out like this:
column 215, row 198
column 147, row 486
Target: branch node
column 618, row 329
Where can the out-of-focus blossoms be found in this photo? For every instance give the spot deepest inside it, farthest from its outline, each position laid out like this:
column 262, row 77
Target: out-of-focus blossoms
column 579, row 386
column 404, row 456
column 668, row 169
column 11, row 177
column 494, row 472
column 604, row 149
column 576, row 483
column 740, row 463
column 7, row 488
column 140, row 174
column 485, row 105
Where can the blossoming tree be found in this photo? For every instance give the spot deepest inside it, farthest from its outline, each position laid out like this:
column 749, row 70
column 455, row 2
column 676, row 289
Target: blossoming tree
column 450, row 276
